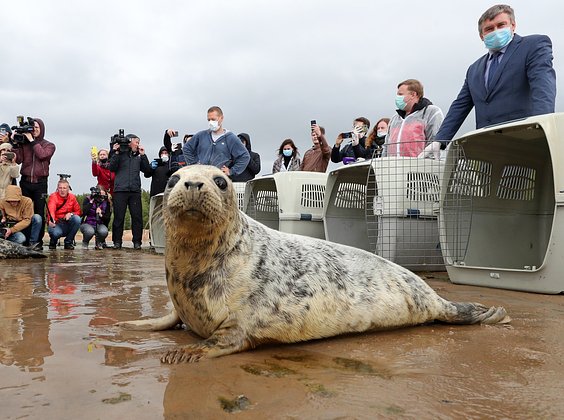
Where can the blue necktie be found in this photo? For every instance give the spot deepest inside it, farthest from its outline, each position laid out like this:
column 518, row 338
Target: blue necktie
column 494, row 63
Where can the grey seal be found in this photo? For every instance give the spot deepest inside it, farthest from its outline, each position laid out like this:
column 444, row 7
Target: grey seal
column 12, row 250
column 238, row 284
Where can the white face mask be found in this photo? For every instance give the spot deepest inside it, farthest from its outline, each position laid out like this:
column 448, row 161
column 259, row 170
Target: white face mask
column 213, row 125
column 381, row 133
column 164, row 158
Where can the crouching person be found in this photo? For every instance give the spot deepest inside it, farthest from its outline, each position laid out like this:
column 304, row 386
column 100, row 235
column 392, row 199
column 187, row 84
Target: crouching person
column 96, row 211
column 18, row 218
column 64, row 215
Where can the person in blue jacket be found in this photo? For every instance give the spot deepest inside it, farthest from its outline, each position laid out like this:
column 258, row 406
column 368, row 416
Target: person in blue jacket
column 217, row 146
column 515, row 79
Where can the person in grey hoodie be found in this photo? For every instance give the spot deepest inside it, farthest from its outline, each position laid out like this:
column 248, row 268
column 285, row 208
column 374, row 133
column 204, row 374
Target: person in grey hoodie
column 217, row 147
column 253, row 168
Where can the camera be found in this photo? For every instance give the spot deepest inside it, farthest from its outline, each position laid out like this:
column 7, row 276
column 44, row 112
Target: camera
column 4, row 228
column 120, row 139
column 22, row 128
column 347, row 135
column 10, row 155
column 96, row 194
column 63, row 176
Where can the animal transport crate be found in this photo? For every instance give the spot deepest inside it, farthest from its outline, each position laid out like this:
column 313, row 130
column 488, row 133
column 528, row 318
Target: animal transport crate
column 502, row 208
column 387, row 206
column 239, row 188
column 290, row 202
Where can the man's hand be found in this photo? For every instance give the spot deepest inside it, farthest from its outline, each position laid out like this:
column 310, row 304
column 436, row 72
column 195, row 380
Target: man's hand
column 29, row 137
column 141, row 150
column 52, row 224
column 225, row 170
column 171, row 132
column 99, row 211
column 339, row 140
column 8, row 233
column 68, row 216
column 115, row 147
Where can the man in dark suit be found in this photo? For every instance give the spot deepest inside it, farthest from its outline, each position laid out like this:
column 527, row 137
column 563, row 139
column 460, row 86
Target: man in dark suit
column 514, row 80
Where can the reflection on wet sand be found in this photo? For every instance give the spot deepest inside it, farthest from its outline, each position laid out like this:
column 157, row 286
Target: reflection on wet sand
column 61, row 356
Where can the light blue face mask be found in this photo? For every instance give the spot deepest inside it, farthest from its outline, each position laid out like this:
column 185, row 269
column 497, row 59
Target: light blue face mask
column 287, row 152
column 499, row 39
column 400, row 102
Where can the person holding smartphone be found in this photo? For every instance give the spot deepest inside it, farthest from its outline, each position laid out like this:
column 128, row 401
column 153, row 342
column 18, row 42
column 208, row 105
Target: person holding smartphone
column 354, row 148
column 317, row 158
column 9, row 169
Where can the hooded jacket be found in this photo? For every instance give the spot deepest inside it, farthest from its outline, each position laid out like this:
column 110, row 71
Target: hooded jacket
column 35, row 156
column 127, row 167
column 408, row 134
column 253, row 168
column 22, row 213
column 159, row 175
column 227, row 150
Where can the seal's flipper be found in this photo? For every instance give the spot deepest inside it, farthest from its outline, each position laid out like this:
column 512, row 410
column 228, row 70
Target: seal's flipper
column 474, row 313
column 156, row 324
column 220, row 343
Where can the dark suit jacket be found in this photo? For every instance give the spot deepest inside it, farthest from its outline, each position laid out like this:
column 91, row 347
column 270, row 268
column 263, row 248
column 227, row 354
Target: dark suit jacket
column 524, row 85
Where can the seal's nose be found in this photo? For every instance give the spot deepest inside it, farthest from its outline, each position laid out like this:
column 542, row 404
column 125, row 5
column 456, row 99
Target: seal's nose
column 190, row 185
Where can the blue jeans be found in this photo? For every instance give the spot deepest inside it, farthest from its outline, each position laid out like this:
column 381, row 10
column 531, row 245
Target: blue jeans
column 88, row 232
column 20, row 238
column 66, row 229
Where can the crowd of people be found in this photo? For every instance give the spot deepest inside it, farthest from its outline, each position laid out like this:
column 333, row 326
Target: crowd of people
column 515, row 79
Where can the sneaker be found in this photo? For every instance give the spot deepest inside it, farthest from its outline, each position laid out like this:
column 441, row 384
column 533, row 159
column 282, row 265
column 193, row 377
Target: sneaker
column 117, row 245
column 104, row 245
column 137, row 245
column 52, row 244
column 98, row 245
column 35, row 246
column 69, row 246
column 84, row 245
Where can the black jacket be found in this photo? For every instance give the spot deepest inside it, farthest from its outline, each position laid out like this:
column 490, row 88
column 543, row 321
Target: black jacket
column 253, row 167
column 127, row 167
column 160, row 175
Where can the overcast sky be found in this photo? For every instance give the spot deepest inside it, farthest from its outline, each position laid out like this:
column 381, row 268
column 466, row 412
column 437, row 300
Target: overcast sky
column 90, row 68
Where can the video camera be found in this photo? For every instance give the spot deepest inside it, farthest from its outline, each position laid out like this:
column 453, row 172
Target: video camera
column 121, row 140
column 96, row 194
column 63, row 176
column 22, row 128
column 5, row 226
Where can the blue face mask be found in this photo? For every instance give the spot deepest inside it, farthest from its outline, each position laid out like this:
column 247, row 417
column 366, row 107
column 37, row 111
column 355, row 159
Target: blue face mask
column 287, row 152
column 499, row 39
column 400, row 102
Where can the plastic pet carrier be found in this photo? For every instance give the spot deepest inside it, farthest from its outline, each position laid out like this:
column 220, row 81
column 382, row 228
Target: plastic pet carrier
column 388, row 206
column 502, row 208
column 290, row 202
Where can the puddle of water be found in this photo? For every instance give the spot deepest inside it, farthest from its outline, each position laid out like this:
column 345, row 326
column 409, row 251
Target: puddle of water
column 60, row 355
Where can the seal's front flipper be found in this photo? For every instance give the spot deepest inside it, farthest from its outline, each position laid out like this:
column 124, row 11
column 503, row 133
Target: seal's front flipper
column 219, row 344
column 156, row 324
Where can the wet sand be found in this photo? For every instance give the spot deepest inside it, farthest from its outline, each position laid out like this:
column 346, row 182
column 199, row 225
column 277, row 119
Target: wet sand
column 61, row 357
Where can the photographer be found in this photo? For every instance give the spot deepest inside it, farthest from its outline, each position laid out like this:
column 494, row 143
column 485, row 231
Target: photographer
column 96, row 211
column 9, row 169
column 34, row 153
column 127, row 161
column 175, row 153
column 101, row 170
column 17, row 217
column 160, row 172
column 64, row 215
column 356, row 148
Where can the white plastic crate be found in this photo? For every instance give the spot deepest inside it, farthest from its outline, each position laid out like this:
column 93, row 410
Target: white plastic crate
column 156, row 223
column 388, row 206
column 240, row 191
column 502, row 208
column 288, row 201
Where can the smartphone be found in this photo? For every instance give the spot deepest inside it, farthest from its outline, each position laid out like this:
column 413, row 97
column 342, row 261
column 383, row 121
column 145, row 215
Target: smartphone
column 347, row 135
column 175, row 134
column 10, row 155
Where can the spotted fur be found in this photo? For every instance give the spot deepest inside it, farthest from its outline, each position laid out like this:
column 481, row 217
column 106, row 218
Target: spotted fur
column 12, row 250
column 238, row 284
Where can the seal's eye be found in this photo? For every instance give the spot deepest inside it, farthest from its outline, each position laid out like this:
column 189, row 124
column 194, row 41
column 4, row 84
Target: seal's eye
column 220, row 182
column 172, row 181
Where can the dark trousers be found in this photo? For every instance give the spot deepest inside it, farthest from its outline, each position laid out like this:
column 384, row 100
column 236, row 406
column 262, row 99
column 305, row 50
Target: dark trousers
column 36, row 191
column 122, row 200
